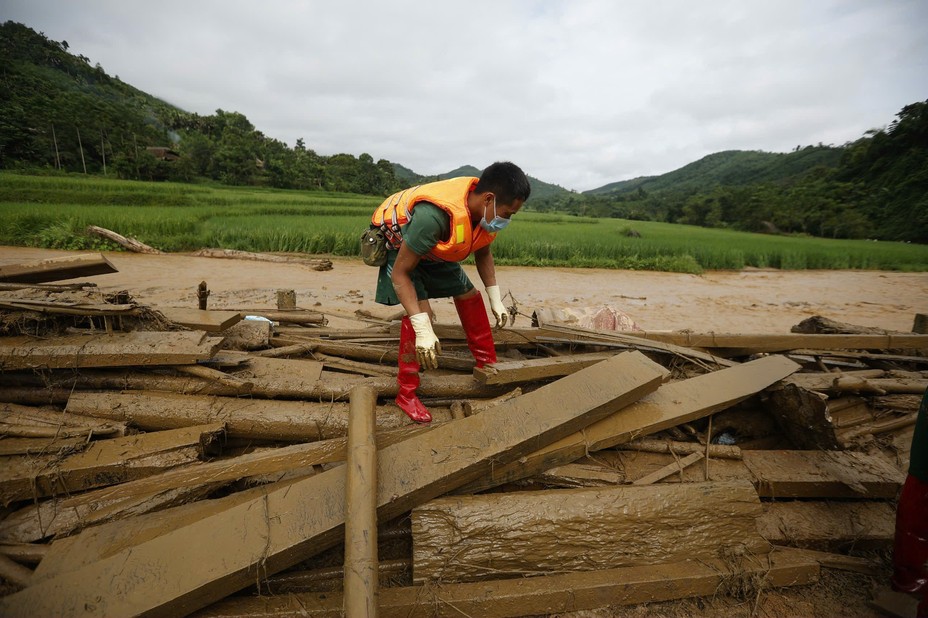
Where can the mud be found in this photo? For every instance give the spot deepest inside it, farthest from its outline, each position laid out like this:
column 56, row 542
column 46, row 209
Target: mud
column 747, row 301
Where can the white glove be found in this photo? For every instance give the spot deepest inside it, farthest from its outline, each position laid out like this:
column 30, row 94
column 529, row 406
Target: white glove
column 427, row 345
column 496, row 306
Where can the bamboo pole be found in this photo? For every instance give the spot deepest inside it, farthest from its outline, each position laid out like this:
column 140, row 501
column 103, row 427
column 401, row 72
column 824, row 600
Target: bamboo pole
column 361, row 575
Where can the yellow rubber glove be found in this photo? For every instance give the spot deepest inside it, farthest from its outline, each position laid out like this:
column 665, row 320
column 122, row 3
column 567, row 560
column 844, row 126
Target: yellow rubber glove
column 427, row 345
column 496, row 306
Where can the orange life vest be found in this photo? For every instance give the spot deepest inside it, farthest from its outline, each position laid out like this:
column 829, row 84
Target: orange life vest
column 449, row 195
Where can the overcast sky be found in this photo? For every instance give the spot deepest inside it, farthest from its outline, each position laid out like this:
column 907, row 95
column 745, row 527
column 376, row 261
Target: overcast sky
column 579, row 93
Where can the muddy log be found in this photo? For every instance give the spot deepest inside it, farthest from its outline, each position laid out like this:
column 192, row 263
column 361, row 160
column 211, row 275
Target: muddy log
column 314, row 263
column 496, row 536
column 672, row 404
column 237, row 538
column 331, row 385
column 243, row 417
column 682, row 448
column 548, row 594
column 361, row 576
column 741, row 344
column 130, row 244
column 104, row 462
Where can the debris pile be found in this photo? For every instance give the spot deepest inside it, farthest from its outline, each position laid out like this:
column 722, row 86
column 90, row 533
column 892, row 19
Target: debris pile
column 159, row 461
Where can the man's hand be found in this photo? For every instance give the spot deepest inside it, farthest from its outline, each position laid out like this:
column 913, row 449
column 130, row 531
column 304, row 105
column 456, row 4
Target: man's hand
column 427, row 345
column 496, row 306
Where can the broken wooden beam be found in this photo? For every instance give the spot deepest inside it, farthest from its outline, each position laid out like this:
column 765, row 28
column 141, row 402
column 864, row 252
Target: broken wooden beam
column 828, row 525
column 672, row 404
column 139, row 348
column 235, row 537
column 361, row 575
column 519, row 534
column 57, row 269
column 104, row 462
column 548, row 594
column 823, row 474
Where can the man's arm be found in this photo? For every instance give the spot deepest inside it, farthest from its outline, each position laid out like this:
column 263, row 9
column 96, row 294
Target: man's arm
column 406, row 261
column 483, row 258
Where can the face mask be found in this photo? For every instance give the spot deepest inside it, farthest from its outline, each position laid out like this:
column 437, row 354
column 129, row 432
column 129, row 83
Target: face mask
column 498, row 223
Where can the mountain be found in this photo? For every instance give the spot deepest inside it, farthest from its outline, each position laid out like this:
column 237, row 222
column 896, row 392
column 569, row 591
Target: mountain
column 731, row 168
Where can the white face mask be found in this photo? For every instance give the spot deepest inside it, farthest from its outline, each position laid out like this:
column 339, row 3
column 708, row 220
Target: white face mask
column 496, row 224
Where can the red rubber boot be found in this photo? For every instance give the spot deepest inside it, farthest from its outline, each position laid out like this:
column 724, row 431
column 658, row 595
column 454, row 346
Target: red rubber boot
column 910, row 550
column 408, row 376
column 473, row 314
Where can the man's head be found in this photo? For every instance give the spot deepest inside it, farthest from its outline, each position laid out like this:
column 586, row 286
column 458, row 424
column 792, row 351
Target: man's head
column 503, row 185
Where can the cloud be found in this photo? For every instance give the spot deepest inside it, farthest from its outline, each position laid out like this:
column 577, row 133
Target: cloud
column 578, row 92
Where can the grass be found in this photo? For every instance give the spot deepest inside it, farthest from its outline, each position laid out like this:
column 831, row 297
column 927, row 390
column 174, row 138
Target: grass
column 54, row 211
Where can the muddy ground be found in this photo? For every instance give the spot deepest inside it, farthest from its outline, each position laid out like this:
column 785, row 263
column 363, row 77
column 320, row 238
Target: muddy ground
column 749, row 301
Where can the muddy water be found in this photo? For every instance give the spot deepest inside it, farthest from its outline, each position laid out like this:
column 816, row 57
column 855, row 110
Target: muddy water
column 748, row 301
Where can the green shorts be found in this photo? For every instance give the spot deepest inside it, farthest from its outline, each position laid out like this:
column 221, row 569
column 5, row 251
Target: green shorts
column 431, row 280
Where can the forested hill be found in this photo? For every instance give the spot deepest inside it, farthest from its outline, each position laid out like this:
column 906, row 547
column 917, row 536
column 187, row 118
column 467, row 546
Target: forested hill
column 875, row 187
column 731, row 168
column 59, row 112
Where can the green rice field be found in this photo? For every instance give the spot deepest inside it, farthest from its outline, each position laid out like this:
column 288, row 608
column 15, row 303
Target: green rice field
column 54, row 212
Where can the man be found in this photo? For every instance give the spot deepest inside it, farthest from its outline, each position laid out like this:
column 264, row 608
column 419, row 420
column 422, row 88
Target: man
column 430, row 229
column 910, row 554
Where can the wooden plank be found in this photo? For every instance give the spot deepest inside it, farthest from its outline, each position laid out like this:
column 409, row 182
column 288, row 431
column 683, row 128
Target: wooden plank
column 243, row 417
column 104, row 462
column 672, row 404
column 793, row 341
column 210, row 320
column 140, row 348
column 225, row 550
column 823, row 474
column 69, row 514
column 669, row 469
column 825, row 525
column 518, row 534
column 536, row 369
column 556, row 593
column 57, row 269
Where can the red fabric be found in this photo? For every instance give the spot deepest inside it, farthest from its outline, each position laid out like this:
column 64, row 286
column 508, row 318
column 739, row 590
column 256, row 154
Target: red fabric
column 408, row 376
column 473, row 314
column 910, row 551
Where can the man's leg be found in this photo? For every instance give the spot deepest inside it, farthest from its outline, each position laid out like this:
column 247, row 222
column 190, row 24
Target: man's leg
column 476, row 323
column 408, row 376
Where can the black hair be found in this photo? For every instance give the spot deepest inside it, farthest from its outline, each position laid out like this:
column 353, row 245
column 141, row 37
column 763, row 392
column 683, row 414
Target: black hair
column 506, row 180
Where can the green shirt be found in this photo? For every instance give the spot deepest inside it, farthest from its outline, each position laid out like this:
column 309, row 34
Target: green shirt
column 428, row 225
